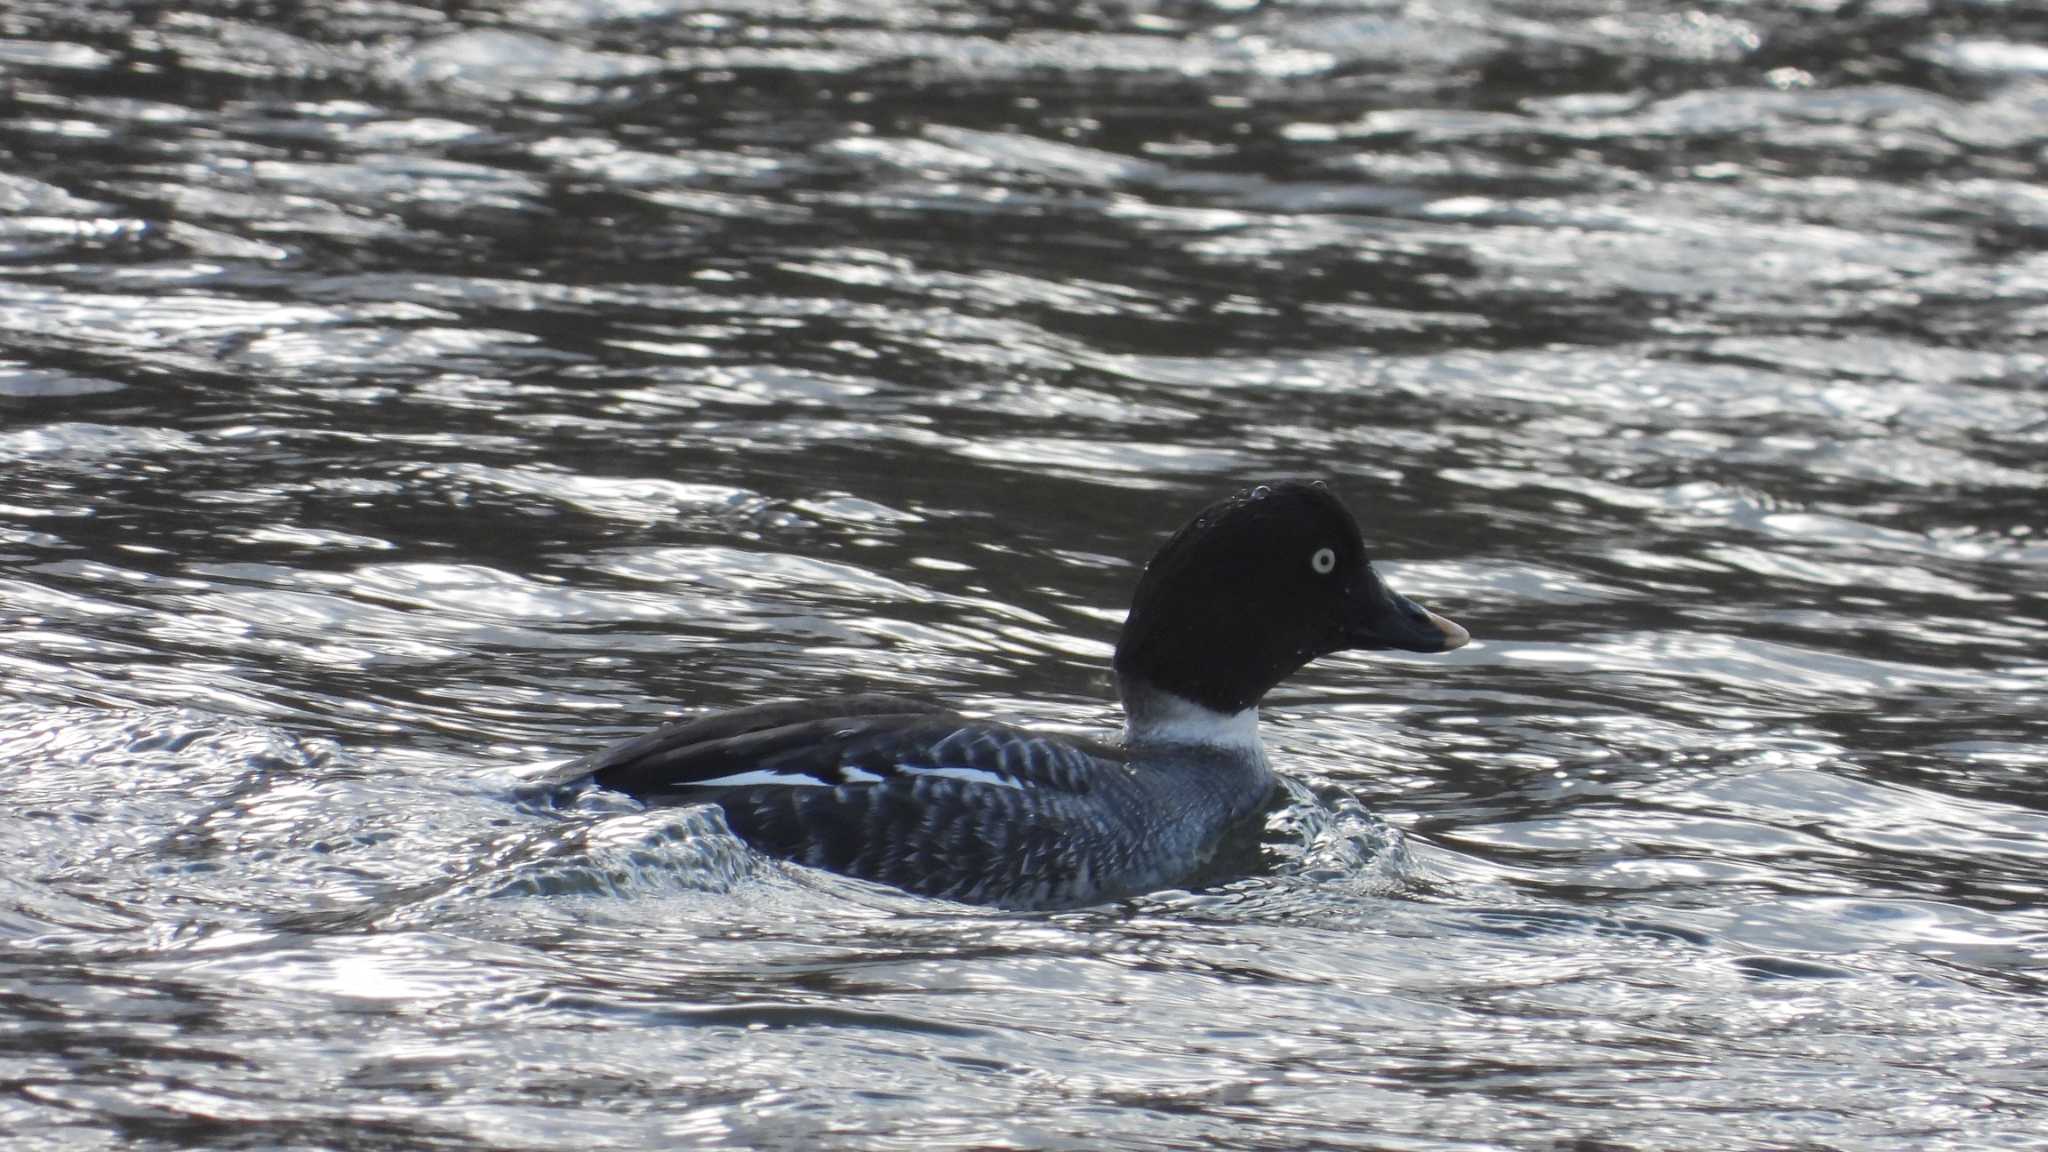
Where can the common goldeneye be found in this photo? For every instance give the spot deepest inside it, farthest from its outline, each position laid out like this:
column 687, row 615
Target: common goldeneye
column 912, row 794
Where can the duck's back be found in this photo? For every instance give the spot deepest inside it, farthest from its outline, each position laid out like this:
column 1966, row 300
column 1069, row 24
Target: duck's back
column 913, row 795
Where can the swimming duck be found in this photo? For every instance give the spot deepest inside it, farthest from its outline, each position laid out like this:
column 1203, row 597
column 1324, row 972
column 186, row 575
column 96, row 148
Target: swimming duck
column 912, row 794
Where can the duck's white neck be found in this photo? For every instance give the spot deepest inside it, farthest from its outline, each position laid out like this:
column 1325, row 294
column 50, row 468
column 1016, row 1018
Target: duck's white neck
column 1155, row 717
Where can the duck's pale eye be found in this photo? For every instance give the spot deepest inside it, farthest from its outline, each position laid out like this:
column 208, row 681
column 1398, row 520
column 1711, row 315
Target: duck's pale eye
column 1324, row 561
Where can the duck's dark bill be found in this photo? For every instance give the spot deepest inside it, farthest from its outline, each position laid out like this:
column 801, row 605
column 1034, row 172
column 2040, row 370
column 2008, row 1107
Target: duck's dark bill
column 1454, row 635
column 1391, row 620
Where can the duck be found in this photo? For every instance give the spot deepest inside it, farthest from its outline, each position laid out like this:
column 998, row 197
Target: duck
column 915, row 795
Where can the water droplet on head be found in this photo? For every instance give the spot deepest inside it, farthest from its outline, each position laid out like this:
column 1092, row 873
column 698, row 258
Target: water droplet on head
column 1261, row 492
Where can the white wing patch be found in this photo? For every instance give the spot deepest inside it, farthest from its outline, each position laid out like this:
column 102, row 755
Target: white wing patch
column 763, row 776
column 971, row 775
column 852, row 775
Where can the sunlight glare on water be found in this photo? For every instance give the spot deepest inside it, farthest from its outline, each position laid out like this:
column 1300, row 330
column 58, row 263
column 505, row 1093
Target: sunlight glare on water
column 394, row 403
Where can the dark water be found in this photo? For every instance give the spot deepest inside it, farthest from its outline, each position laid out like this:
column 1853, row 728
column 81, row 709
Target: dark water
column 389, row 399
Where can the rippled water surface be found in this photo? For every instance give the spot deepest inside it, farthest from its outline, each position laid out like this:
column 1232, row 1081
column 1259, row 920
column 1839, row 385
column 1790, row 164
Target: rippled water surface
column 389, row 399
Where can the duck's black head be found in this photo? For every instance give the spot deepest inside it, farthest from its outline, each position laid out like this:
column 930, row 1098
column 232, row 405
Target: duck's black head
column 1256, row 586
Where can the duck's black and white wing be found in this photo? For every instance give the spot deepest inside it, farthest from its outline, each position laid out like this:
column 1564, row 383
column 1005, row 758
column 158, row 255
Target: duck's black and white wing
column 641, row 762
column 928, row 801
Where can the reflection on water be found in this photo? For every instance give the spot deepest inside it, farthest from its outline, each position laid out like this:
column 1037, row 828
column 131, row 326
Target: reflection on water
column 391, row 399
